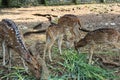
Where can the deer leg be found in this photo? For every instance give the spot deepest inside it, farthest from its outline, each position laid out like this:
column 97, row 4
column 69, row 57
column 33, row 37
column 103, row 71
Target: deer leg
column 23, row 61
column 76, row 32
column 60, row 43
column 116, row 45
column 45, row 49
column 65, row 34
column 67, row 44
column 10, row 57
column 72, row 32
column 48, row 41
column 3, row 50
column 49, row 49
column 91, row 53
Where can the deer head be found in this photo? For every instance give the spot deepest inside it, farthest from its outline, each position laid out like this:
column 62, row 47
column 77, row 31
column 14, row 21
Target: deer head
column 33, row 65
column 79, row 44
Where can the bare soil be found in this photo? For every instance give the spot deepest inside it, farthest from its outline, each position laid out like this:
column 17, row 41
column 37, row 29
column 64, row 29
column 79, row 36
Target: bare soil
column 92, row 16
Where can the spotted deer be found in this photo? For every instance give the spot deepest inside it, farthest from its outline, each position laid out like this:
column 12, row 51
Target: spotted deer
column 12, row 39
column 53, row 32
column 72, row 23
column 100, row 36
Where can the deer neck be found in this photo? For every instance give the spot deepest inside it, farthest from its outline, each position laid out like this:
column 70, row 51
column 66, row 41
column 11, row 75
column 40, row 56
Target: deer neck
column 14, row 39
column 82, row 43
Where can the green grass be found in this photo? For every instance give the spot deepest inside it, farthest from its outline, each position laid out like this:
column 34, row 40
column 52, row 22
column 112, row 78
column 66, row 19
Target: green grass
column 76, row 68
column 73, row 66
column 17, row 73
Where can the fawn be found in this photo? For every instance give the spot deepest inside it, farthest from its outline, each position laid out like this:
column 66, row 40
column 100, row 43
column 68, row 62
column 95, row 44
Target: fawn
column 99, row 36
column 53, row 32
column 71, row 22
column 12, row 39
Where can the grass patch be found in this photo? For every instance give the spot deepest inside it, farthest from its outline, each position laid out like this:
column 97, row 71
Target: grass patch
column 76, row 68
column 73, row 66
column 17, row 73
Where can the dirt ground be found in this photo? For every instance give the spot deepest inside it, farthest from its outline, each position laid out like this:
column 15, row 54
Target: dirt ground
column 92, row 16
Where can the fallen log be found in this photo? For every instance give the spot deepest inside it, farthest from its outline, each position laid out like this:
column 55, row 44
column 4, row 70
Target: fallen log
column 44, row 15
column 34, row 32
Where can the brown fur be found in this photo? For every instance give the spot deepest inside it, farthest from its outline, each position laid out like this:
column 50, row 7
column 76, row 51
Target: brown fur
column 99, row 36
column 54, row 32
column 12, row 39
column 70, row 22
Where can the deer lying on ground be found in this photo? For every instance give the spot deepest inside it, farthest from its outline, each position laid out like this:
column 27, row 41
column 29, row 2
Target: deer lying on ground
column 12, row 39
column 99, row 36
column 71, row 22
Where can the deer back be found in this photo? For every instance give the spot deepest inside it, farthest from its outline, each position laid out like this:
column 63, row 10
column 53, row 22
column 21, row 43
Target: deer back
column 54, row 31
column 14, row 40
column 99, row 36
column 103, row 35
column 12, row 37
column 69, row 20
